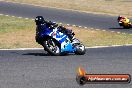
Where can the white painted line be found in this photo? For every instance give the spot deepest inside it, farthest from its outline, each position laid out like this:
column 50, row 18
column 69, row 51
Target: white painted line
column 6, row 15
column 24, row 49
column 97, row 29
column 12, row 16
column 116, row 45
column 68, row 24
column 112, row 31
column 109, row 46
column 85, row 47
column 97, row 47
column 118, row 32
column 124, row 33
column 19, row 17
column 26, row 18
column 122, row 45
column 74, row 25
column 128, row 44
column 33, row 19
column 85, row 27
column 1, row 14
column 60, row 23
column 91, row 28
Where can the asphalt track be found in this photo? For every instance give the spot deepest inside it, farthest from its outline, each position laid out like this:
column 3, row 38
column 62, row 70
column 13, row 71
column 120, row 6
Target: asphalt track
column 36, row 69
column 65, row 16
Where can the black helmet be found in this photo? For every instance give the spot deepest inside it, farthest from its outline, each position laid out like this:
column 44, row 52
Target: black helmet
column 39, row 20
column 119, row 17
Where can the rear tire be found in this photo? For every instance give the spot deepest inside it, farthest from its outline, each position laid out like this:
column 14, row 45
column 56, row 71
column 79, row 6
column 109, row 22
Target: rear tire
column 53, row 49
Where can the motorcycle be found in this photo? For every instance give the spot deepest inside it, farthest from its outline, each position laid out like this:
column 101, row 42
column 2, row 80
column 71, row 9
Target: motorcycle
column 125, row 23
column 57, row 43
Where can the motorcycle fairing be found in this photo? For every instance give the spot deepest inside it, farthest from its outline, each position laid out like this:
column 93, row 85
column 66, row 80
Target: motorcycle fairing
column 63, row 39
column 66, row 46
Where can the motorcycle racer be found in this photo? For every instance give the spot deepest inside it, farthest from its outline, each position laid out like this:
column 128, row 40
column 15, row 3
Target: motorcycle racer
column 124, row 21
column 42, row 24
column 55, row 39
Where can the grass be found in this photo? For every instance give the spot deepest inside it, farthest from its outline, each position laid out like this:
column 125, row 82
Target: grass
column 20, row 33
column 16, row 33
column 102, row 38
column 115, row 7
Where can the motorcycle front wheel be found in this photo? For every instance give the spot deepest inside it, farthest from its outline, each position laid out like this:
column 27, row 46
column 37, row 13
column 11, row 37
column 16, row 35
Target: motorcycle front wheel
column 80, row 49
column 52, row 47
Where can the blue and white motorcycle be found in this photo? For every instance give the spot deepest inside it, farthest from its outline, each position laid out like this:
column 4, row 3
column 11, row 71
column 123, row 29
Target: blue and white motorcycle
column 57, row 43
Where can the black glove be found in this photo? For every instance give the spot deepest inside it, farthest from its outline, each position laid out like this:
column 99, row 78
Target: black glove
column 52, row 25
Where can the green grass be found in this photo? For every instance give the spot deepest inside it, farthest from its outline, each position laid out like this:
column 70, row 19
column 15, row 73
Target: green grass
column 10, row 24
column 20, row 33
column 102, row 38
column 17, row 33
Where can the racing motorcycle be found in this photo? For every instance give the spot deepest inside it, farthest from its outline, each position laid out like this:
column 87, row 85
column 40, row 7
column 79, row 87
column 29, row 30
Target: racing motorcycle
column 57, row 43
column 125, row 23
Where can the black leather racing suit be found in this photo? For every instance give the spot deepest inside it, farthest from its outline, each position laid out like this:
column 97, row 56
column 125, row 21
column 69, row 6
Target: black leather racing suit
column 52, row 25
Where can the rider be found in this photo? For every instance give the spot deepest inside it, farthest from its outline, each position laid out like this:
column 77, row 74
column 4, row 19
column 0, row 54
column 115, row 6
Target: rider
column 125, row 19
column 42, row 24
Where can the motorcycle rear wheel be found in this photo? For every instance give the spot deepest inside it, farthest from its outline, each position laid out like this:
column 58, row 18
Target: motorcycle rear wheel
column 52, row 47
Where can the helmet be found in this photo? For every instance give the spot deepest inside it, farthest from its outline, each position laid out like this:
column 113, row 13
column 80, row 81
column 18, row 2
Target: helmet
column 39, row 20
column 119, row 17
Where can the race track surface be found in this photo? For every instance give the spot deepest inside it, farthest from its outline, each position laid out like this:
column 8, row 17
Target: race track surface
column 65, row 16
column 36, row 69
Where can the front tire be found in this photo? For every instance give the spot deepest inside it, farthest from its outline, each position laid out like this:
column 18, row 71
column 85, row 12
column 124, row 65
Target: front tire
column 52, row 47
column 80, row 49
